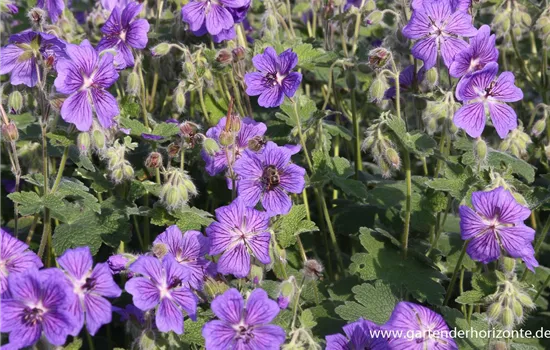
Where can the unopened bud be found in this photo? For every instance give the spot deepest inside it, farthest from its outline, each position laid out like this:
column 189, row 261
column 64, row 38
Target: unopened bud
column 224, row 57
column 393, row 158
column 189, row 186
column 508, row 318
column 313, row 269
column 494, row 310
column 10, row 132
column 370, row 5
column 173, row 150
column 188, row 129
column 374, row 17
column 98, row 138
column 379, row 57
column 508, row 265
column 539, row 127
column 235, row 123
column 377, row 89
column 227, row 138
column 154, row 160
column 117, row 263
column 37, row 16
column 172, row 197
column 160, row 50
column 15, row 102
column 525, row 300
column 117, row 175
column 256, row 274
column 351, row 80
column 239, row 53
column 271, row 23
column 518, row 309
column 128, row 171
column 480, row 150
column 180, row 100
column 132, row 84
column 210, row 146
column 83, row 142
column 432, row 77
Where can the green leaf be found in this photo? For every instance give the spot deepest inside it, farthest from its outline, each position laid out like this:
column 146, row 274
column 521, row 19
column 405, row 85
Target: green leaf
column 418, row 143
column 29, row 202
column 305, row 107
column 76, row 344
column 384, row 261
column 289, row 226
column 59, row 139
column 307, row 55
column 457, row 180
column 136, row 127
column 166, row 130
column 191, row 218
column 373, row 302
column 455, row 319
column 307, row 320
column 471, row 297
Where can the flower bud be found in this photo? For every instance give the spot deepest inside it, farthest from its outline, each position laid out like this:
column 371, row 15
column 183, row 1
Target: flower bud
column 173, row 150
column 370, row 5
column 494, row 311
column 539, row 127
column 508, row 265
column 154, row 160
column 172, row 197
column 256, row 274
column 10, row 132
column 288, row 289
column 180, row 100
column 283, row 301
column 351, row 80
column 160, row 50
column 377, row 89
column 235, row 123
column 224, row 57
column 188, row 129
column 15, row 102
column 132, row 84
column 37, row 16
column 271, row 23
column 128, row 171
column 227, row 138
column 480, row 150
column 189, row 186
column 508, row 318
column 393, row 158
column 98, row 139
column 526, row 19
column 210, row 146
column 379, row 57
column 117, row 175
column 83, row 143
column 239, row 53
column 374, row 17
column 518, row 309
column 117, row 263
column 499, row 345
column 313, row 269
column 525, row 300
column 432, row 77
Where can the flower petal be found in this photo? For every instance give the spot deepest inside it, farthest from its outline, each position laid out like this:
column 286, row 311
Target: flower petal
column 193, row 14
column 235, row 261
column 229, row 306
column 256, row 83
column 145, row 294
column 56, row 326
column 98, row 312
column 268, row 337
column 136, row 36
column 217, row 19
column 426, row 50
column 505, row 90
column 504, row 118
column 169, row 317
column 77, row 262
column 471, row 118
column 77, row 110
column 259, row 245
column 259, row 308
column 287, row 61
column 276, row 202
column 272, row 97
column 291, row 83
column 187, row 300
column 218, row 335
column 105, row 106
column 268, row 62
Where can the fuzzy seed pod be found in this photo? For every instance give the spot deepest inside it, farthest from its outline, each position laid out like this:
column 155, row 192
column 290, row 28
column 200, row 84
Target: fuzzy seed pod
column 10, row 132
column 180, row 100
column 154, row 160
column 379, row 57
column 508, row 318
column 224, row 57
column 539, row 127
column 227, row 138
column 160, row 50
column 15, row 102
column 84, row 143
column 378, row 89
column 132, row 84
column 480, row 150
column 98, row 139
column 313, row 269
column 374, row 17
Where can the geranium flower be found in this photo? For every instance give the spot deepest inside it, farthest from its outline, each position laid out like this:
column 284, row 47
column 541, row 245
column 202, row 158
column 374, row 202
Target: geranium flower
column 123, row 32
column 358, row 336
column 267, row 177
column 90, row 286
column 161, row 285
column 238, row 233
column 480, row 92
column 86, row 77
column 482, row 50
column 495, row 225
column 274, row 78
column 437, row 29
column 243, row 326
column 212, row 15
column 53, row 7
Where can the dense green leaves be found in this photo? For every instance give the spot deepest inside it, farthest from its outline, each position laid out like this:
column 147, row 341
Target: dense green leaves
column 289, row 226
column 374, row 302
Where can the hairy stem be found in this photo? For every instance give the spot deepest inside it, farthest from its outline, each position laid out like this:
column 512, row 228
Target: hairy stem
column 458, row 266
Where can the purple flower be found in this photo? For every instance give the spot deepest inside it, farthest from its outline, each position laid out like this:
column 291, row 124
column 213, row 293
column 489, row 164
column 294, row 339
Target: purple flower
column 90, row 286
column 481, row 51
column 421, row 329
column 480, row 92
column 117, row 263
column 86, row 77
column 437, row 28
column 123, row 33
column 496, row 224
column 243, row 326
column 237, row 13
column 358, row 336
column 14, row 257
column 10, row 7
column 456, row 5
column 110, row 5
column 212, row 15
column 406, row 80
column 267, row 177
column 189, row 250
column 274, row 79
column 217, row 163
column 161, row 285
column 283, row 301
column 21, row 56
column 151, row 137
column 9, row 185
column 53, row 7
column 130, row 312
column 37, row 302
column 238, row 232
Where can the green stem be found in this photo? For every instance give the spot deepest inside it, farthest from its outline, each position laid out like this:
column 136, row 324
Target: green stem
column 143, row 97
column 330, row 228
column 356, row 132
column 182, row 159
column 458, row 266
column 407, row 224
column 542, row 236
column 520, row 59
column 542, row 288
column 138, row 233
column 203, row 106
column 60, row 170
column 356, row 31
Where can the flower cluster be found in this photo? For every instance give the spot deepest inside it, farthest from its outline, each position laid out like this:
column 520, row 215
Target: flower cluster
column 411, row 326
